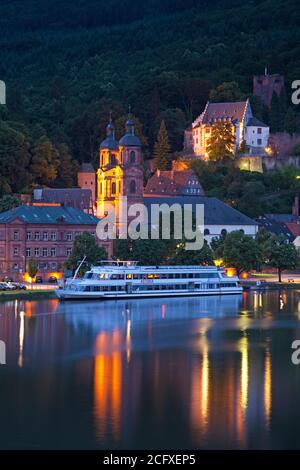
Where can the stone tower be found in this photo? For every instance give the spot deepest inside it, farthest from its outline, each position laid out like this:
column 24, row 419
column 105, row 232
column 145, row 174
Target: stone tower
column 86, row 179
column 265, row 85
column 120, row 173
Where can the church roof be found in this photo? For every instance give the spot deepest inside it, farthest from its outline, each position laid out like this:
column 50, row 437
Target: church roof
column 130, row 140
column 109, row 143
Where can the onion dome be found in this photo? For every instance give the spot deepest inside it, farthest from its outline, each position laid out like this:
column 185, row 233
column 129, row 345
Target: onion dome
column 110, row 142
column 130, row 139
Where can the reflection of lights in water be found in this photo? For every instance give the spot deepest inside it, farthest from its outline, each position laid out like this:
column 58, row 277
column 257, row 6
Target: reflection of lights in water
column 128, row 340
column 21, row 339
column 268, row 386
column 163, row 311
column 281, row 302
column 243, row 347
column 108, row 382
column 16, row 309
column 200, row 388
column 257, row 300
column 260, row 300
column 205, row 384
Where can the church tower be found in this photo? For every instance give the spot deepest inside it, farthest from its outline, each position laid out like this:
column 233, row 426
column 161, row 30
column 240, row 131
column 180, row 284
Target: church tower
column 120, row 172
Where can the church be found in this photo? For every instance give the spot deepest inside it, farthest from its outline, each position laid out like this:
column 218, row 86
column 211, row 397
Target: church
column 120, row 174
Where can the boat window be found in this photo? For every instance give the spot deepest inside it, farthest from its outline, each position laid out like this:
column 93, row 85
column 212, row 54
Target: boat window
column 150, row 276
column 191, row 275
column 136, row 276
column 177, row 276
column 171, row 276
column 164, row 276
column 114, row 276
column 88, row 275
column 156, row 276
column 128, row 276
column 121, row 276
column 184, row 276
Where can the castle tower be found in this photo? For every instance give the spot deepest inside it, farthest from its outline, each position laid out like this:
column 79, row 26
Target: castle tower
column 265, row 85
column 120, row 173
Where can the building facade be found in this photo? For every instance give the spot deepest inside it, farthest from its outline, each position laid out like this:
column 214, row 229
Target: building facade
column 46, row 233
column 120, row 174
column 245, row 128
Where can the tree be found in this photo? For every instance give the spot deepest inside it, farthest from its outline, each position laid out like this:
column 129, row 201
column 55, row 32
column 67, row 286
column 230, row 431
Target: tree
column 67, row 169
column 147, row 252
column 239, row 251
column 85, row 245
column 221, row 142
column 32, row 267
column 45, row 161
column 277, row 112
column 279, row 253
column 181, row 256
column 162, row 149
column 227, row 91
column 8, row 202
column 290, row 124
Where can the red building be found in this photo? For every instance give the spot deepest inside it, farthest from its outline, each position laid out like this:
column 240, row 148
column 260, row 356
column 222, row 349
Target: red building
column 44, row 232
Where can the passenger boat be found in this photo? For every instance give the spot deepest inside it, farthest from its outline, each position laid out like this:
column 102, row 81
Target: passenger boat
column 126, row 279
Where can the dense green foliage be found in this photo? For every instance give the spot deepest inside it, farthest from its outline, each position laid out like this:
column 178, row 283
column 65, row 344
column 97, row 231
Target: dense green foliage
column 85, row 245
column 252, row 193
column 68, row 63
column 32, row 267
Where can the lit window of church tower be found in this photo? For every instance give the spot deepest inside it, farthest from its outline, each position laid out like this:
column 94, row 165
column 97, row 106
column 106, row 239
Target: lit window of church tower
column 120, row 172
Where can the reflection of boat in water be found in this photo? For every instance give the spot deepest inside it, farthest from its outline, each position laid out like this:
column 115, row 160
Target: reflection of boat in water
column 114, row 314
column 126, row 280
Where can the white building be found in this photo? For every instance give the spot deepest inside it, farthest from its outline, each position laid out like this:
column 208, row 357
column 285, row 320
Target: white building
column 219, row 218
column 245, row 126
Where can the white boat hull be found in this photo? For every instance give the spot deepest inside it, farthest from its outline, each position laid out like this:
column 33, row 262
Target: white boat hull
column 68, row 294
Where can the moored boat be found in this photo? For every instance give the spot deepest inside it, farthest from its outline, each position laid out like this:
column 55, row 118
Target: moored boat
column 126, row 279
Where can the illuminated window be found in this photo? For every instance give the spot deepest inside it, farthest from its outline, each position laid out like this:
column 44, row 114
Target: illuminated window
column 128, row 276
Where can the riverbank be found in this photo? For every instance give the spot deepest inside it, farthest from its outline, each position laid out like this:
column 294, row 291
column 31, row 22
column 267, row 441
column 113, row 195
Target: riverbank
column 30, row 294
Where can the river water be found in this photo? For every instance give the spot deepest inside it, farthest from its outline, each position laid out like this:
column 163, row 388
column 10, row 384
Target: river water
column 203, row 373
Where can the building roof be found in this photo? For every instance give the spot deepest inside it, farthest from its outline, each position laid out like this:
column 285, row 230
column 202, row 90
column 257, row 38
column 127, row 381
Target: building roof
column 256, row 123
column 216, row 111
column 109, row 143
column 276, row 227
column 172, row 183
column 48, row 215
column 130, row 140
column 216, row 212
column 86, row 168
column 70, row 197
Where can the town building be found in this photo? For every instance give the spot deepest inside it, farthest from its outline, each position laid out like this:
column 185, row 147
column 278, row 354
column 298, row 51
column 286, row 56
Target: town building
column 86, row 179
column 265, row 85
column 180, row 181
column 82, row 199
column 219, row 218
column 120, row 172
column 46, row 233
column 245, row 127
